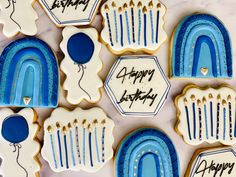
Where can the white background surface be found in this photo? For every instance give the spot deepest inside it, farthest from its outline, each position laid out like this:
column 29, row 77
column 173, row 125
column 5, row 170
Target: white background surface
column 165, row 120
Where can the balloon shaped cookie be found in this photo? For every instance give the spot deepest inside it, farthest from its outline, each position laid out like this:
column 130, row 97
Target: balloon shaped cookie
column 18, row 16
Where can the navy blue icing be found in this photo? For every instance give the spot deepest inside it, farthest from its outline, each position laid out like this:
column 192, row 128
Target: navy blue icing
column 181, row 34
column 22, row 51
column 147, row 134
column 15, row 129
column 80, row 48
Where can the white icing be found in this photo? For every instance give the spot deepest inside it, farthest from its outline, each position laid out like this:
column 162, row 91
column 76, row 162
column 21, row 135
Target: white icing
column 182, row 127
column 73, row 12
column 113, row 12
column 146, row 77
column 90, row 82
column 29, row 148
column 214, row 163
column 18, row 16
column 64, row 117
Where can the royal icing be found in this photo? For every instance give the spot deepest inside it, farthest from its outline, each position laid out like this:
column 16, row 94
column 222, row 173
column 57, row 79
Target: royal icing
column 18, row 16
column 137, row 85
column 146, row 152
column 214, row 162
column 81, row 64
column 71, row 12
column 28, row 74
column 201, row 48
column 78, row 140
column 207, row 115
column 132, row 25
column 18, row 145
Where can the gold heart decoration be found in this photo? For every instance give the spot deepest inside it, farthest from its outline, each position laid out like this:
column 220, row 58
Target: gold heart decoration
column 204, row 71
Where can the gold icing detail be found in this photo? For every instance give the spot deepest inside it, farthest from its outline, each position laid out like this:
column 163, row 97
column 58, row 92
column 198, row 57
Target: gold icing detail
column 150, row 5
column 219, row 97
column 26, row 100
column 210, row 96
column 58, row 125
column 199, row 103
column 224, row 103
column 229, row 98
column 204, row 71
column 204, row 100
column 140, row 4
column 131, row 3
column 64, row 129
column 185, row 102
column 49, row 129
column 193, row 98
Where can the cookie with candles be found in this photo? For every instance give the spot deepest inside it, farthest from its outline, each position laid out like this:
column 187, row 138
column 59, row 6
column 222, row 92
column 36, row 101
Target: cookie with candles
column 18, row 16
column 72, row 12
column 78, row 140
column 137, row 86
column 29, row 75
column 201, row 48
column 214, row 162
column 207, row 115
column 133, row 25
column 81, row 64
column 19, row 145
column 146, row 152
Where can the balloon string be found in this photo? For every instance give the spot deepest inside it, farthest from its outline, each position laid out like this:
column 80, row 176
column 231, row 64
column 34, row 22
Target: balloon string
column 81, row 68
column 17, row 148
column 13, row 6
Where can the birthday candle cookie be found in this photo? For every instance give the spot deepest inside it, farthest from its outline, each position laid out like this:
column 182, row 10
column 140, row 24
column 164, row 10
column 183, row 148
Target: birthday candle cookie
column 28, row 74
column 18, row 16
column 78, row 140
column 133, row 25
column 19, row 146
column 214, row 162
column 71, row 12
column 137, row 86
column 81, row 64
column 201, row 48
column 207, row 115
column 146, row 152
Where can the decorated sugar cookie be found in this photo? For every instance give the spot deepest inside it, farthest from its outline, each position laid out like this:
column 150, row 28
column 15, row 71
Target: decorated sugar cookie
column 133, row 25
column 137, row 85
column 146, row 152
column 207, row 115
column 201, row 48
column 28, row 74
column 71, row 12
column 18, row 16
column 81, row 64
column 19, row 146
column 78, row 140
column 215, row 162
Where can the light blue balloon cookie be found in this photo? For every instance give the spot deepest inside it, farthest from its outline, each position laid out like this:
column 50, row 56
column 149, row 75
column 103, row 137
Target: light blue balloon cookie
column 201, row 48
column 147, row 153
column 28, row 74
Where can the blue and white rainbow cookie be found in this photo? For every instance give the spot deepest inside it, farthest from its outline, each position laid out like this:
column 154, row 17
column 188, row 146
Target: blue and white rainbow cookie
column 201, row 48
column 78, row 140
column 214, row 162
column 207, row 115
column 28, row 74
column 81, row 64
column 147, row 152
column 133, row 25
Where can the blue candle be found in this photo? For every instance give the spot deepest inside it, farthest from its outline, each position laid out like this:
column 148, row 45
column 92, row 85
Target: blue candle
column 121, row 28
column 218, row 117
column 151, row 20
column 211, row 114
column 200, row 119
column 132, row 18
column 115, row 19
column 139, row 22
column 127, row 22
column 205, row 114
column 77, row 140
column 52, row 146
column 59, row 143
column 193, row 98
column 187, row 117
column 65, row 147
column 230, row 116
column 108, row 23
column 157, row 23
column 224, row 115
column 145, row 25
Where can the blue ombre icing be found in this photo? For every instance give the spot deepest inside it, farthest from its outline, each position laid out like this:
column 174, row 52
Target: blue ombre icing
column 29, row 74
column 201, row 48
column 147, row 152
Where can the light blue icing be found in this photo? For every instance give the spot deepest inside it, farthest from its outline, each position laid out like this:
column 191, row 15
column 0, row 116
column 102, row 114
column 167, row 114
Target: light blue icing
column 146, row 146
column 28, row 68
column 202, row 38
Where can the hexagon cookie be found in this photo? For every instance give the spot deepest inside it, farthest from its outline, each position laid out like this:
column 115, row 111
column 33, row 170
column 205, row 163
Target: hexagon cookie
column 137, row 86
column 71, row 12
column 214, row 162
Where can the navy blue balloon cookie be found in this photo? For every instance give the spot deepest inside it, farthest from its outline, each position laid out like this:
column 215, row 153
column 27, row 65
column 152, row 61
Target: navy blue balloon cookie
column 18, row 145
column 147, row 152
column 28, row 74
column 201, row 48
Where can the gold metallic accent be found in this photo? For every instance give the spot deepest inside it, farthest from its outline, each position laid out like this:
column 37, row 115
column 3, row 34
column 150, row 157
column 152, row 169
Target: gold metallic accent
column 49, row 129
column 26, row 100
column 224, row 103
column 75, row 122
column 199, row 103
column 107, row 7
column 131, row 3
column 204, row 100
column 125, row 6
column 58, row 125
column 185, row 102
column 113, row 4
column 219, row 97
column 144, row 9
column 193, row 98
column 150, row 5
column 204, row 71
column 140, row 4
column 229, row 98
column 64, row 129
column 210, row 96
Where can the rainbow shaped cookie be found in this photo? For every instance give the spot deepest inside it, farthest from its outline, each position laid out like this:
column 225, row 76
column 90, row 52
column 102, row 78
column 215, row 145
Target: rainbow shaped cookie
column 207, row 115
column 146, row 152
column 19, row 145
column 133, row 25
column 28, row 74
column 214, row 162
column 201, row 48
column 78, row 140
column 81, row 64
